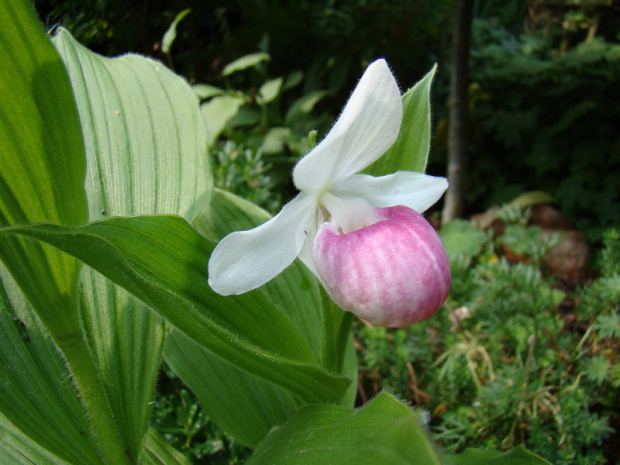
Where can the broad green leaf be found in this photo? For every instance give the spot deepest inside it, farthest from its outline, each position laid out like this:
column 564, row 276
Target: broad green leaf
column 383, row 431
column 145, row 155
column 42, row 166
column 244, row 406
column 269, row 91
column 36, row 392
column 158, row 452
column 245, row 62
column 171, row 33
column 295, row 291
column 516, row 456
column 217, row 112
column 162, row 261
column 42, row 179
column 18, row 449
column 410, row 151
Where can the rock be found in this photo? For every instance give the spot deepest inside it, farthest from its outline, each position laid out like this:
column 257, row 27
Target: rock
column 569, row 258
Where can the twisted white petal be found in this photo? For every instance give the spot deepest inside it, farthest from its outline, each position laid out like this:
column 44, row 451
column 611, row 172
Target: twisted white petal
column 414, row 190
column 245, row 260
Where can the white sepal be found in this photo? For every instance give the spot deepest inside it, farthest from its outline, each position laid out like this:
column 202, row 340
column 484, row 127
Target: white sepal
column 365, row 130
column 245, row 260
column 414, row 190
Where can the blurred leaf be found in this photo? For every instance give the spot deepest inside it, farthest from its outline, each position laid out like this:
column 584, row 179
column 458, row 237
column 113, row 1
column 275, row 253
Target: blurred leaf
column 410, row 151
column 383, row 431
column 245, row 62
column 162, row 261
column 516, row 456
column 276, row 140
column 461, row 237
column 158, row 452
column 269, row 91
column 246, row 117
column 171, row 33
column 217, row 112
column 303, row 106
column 292, row 80
column 205, row 91
column 144, row 155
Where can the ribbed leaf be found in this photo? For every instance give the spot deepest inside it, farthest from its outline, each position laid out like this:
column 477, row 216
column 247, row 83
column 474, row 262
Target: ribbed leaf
column 295, row 291
column 517, row 456
column 158, row 452
column 42, row 166
column 410, row 151
column 246, row 407
column 36, row 392
column 383, row 431
column 162, row 261
column 146, row 151
column 18, row 449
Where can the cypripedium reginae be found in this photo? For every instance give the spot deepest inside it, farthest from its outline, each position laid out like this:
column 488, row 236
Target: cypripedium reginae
column 362, row 236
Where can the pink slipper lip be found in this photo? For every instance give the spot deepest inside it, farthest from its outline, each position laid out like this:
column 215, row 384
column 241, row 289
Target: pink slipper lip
column 393, row 273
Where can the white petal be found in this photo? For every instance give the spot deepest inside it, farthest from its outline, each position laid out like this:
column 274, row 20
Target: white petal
column 414, row 190
column 367, row 127
column 245, row 260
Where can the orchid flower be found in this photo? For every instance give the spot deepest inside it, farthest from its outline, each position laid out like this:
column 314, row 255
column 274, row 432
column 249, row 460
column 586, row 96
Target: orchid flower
column 362, row 236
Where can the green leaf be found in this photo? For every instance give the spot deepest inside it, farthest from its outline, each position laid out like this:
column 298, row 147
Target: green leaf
column 42, row 179
column 269, row 91
column 217, row 112
column 158, row 452
column 205, row 91
column 517, row 456
column 171, row 33
column 162, row 261
column 233, row 396
column 244, row 406
column 302, row 107
column 42, row 169
column 43, row 413
column 383, row 431
column 410, row 151
column 245, row 62
column 295, row 291
column 462, row 237
column 145, row 155
column 18, row 449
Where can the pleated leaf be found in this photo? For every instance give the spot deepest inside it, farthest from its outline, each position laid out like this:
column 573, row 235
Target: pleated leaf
column 42, row 164
column 516, row 456
column 245, row 406
column 410, row 151
column 384, row 431
column 146, row 151
column 36, row 393
column 295, row 291
column 18, row 449
column 162, row 260
column 158, row 452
